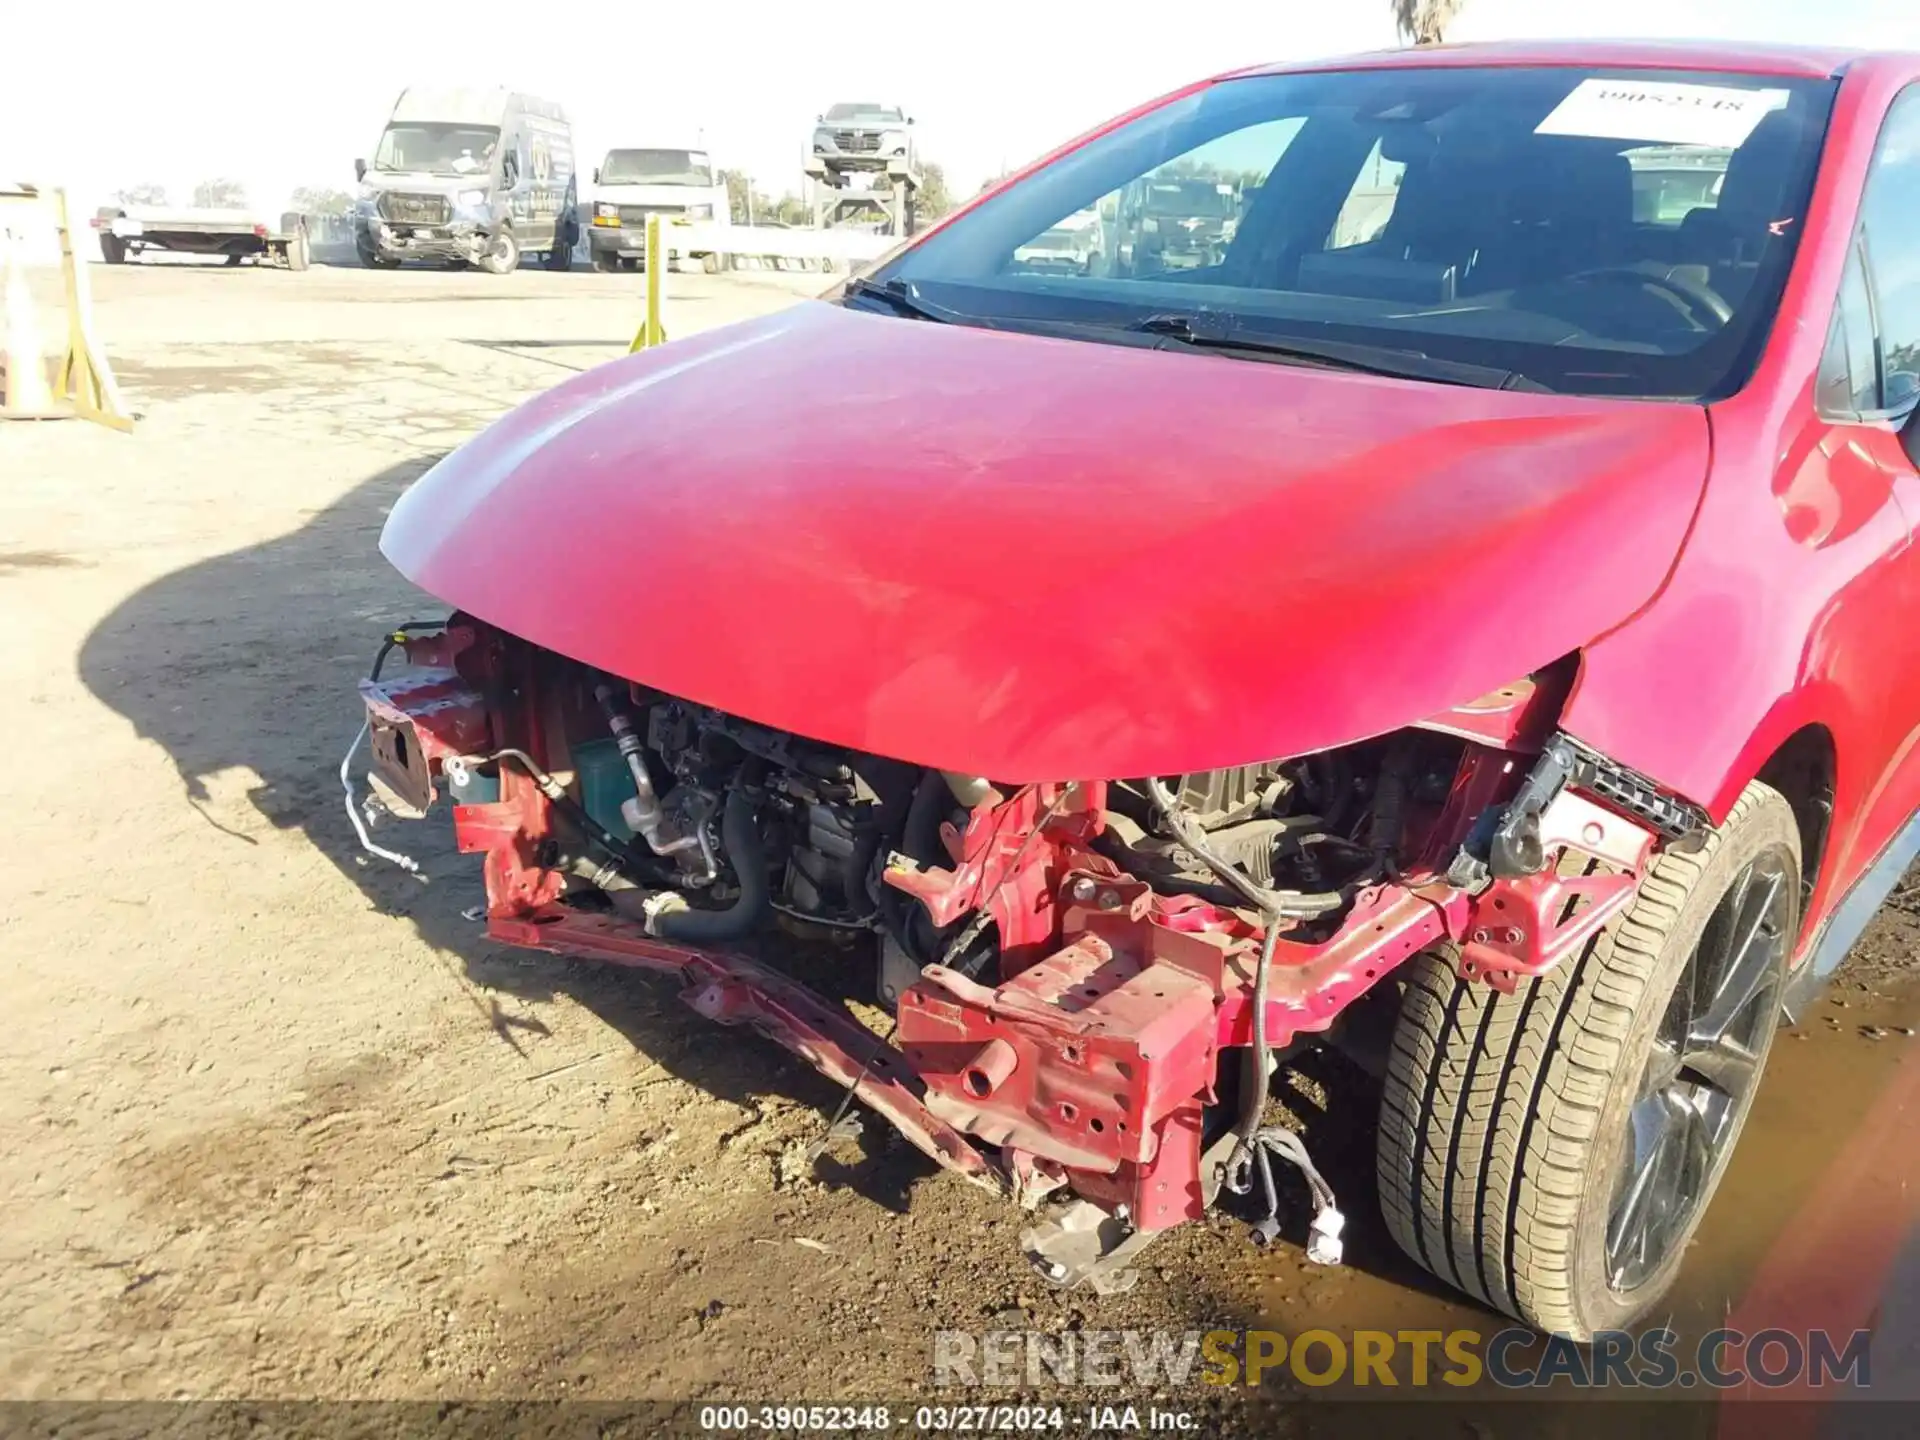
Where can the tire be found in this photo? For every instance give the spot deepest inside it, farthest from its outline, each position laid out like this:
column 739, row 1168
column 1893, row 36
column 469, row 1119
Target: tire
column 113, row 250
column 234, row 259
column 1506, row 1121
column 298, row 255
column 502, row 255
column 371, row 257
column 606, row 262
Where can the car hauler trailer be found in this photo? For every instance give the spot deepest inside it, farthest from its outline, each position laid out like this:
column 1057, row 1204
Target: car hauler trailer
column 236, row 234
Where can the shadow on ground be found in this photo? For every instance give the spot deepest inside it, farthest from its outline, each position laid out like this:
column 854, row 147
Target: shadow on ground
column 247, row 662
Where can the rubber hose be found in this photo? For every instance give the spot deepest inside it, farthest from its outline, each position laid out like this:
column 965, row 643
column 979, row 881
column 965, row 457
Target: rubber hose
column 740, row 838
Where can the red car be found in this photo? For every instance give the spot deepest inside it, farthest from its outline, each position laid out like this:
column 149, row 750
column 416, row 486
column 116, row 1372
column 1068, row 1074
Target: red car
column 1469, row 618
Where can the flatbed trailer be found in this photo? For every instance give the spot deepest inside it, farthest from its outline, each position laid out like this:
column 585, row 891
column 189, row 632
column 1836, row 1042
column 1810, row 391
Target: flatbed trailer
column 238, row 235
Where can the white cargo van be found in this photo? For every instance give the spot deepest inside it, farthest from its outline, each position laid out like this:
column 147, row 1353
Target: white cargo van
column 631, row 184
column 469, row 177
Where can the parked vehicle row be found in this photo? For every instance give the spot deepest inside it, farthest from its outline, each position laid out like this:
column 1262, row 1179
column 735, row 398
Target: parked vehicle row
column 480, row 177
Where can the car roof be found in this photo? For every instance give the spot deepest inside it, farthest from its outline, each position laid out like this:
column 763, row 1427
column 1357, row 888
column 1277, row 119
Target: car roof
column 1814, row 62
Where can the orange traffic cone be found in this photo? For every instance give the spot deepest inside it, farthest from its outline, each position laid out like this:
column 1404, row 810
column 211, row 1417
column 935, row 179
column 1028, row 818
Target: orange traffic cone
column 26, row 390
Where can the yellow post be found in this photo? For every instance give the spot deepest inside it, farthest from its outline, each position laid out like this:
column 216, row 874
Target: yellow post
column 86, row 380
column 84, row 384
column 652, row 329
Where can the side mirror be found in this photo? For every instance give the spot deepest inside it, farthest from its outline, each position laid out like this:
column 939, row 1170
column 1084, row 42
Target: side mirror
column 596, row 174
column 359, row 169
column 1903, row 389
column 820, row 119
column 909, row 119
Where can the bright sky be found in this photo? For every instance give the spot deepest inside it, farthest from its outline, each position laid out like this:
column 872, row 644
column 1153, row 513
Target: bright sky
column 278, row 96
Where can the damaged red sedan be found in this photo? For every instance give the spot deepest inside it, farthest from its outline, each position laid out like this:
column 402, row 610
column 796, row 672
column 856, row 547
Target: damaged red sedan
column 1435, row 577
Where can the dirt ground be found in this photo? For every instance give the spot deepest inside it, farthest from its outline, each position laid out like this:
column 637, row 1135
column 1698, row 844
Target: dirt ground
column 279, row 1123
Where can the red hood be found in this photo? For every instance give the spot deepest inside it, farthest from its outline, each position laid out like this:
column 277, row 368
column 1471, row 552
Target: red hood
column 1049, row 559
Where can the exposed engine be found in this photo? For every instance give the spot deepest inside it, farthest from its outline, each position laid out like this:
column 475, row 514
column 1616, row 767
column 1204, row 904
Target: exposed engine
column 709, row 827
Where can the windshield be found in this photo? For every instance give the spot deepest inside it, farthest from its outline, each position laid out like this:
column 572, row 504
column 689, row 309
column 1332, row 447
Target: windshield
column 437, row 149
column 1614, row 232
column 871, row 114
column 656, row 167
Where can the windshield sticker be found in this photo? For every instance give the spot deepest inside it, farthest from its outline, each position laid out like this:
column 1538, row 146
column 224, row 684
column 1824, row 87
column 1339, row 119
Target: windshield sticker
column 1669, row 114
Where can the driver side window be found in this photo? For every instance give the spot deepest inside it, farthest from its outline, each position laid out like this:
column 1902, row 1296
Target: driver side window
column 1872, row 365
column 1891, row 217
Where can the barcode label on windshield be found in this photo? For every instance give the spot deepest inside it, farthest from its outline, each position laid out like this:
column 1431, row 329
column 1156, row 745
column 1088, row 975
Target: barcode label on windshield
column 1663, row 113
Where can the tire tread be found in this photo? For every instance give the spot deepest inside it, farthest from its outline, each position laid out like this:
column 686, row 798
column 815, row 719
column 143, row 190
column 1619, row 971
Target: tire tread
column 1493, row 1101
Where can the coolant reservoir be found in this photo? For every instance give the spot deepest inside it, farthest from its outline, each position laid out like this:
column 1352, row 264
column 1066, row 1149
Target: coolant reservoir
column 604, row 784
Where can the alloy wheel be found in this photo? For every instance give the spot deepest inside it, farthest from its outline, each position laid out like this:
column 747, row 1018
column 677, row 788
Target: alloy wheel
column 1702, row 1072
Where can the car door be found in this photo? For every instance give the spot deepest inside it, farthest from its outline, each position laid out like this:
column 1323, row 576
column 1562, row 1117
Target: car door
column 1868, row 389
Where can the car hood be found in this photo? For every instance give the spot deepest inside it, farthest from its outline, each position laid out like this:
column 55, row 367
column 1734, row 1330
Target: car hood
column 1035, row 558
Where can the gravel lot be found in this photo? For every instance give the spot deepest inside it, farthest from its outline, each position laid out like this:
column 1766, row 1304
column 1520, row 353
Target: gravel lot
column 276, row 1123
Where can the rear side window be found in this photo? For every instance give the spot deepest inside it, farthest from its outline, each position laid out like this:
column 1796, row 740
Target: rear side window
column 1890, row 212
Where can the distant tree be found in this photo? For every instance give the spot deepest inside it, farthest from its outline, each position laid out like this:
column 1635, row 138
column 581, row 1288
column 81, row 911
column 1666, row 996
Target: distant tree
column 987, row 185
column 935, row 199
column 1424, row 22
column 220, row 195
column 144, row 194
column 789, row 209
column 741, row 200
column 1188, row 168
column 322, row 200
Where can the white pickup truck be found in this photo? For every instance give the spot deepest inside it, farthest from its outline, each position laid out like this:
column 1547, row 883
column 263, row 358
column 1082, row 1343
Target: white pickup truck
column 126, row 230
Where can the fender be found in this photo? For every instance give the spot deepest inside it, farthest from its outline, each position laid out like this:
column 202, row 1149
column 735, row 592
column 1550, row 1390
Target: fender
column 1787, row 605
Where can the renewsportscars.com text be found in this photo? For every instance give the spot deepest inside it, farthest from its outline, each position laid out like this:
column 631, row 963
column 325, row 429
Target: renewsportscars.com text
column 1513, row 1358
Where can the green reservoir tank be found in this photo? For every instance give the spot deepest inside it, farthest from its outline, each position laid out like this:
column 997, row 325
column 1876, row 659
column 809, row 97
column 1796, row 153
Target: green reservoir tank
column 604, row 784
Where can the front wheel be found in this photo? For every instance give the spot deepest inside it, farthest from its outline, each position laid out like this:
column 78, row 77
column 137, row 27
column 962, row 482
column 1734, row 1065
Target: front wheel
column 1551, row 1152
column 502, row 255
column 113, row 250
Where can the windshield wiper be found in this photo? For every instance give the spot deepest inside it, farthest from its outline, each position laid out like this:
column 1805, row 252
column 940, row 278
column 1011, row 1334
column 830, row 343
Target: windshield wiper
column 904, row 298
column 1221, row 335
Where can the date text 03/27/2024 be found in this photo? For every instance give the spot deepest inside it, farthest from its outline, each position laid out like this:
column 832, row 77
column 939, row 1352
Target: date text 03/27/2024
column 1092, row 1419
